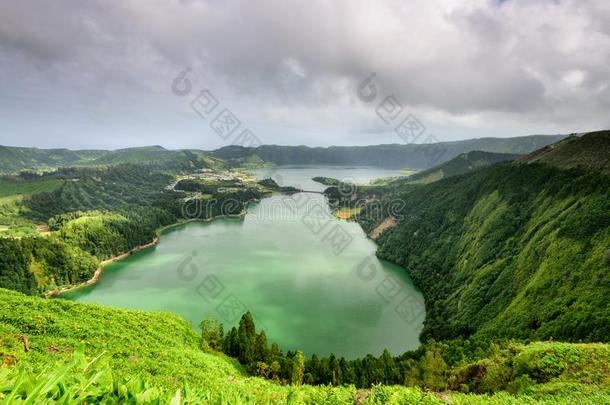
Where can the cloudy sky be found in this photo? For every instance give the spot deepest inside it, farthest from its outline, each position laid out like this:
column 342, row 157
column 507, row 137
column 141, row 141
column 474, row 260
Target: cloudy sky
column 105, row 74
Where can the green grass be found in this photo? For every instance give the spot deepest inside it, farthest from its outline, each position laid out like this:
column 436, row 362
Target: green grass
column 12, row 193
column 431, row 176
column 12, row 187
column 88, row 353
column 158, row 347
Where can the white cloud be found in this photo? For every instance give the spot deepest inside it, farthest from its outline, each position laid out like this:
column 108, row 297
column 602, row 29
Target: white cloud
column 479, row 67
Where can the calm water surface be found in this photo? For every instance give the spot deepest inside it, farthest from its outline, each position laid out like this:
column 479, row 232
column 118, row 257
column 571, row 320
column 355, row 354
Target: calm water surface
column 310, row 280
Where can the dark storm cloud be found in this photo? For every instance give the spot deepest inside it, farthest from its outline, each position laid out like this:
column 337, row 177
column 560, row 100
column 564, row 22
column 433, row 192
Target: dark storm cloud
column 478, row 66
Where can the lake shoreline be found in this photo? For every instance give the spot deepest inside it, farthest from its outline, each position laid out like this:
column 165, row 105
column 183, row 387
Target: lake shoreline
column 197, row 252
column 57, row 292
column 97, row 275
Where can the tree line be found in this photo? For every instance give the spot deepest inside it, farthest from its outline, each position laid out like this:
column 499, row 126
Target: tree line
column 433, row 365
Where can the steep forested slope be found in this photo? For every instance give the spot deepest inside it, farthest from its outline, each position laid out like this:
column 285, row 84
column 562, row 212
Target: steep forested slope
column 109, row 188
column 511, row 250
column 591, row 151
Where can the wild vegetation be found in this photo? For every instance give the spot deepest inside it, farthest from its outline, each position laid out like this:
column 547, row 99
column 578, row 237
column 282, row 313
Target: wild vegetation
column 513, row 250
column 14, row 159
column 512, row 259
column 93, row 214
column 65, row 352
column 13, row 190
column 464, row 163
column 589, row 151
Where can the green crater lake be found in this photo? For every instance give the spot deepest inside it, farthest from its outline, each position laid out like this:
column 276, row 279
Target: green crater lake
column 310, row 280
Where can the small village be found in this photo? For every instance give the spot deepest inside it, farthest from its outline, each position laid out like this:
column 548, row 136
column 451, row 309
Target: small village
column 226, row 181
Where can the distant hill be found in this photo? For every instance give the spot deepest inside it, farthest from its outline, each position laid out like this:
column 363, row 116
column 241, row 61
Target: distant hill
column 158, row 156
column 413, row 156
column 590, row 151
column 463, row 163
column 15, row 159
column 134, row 155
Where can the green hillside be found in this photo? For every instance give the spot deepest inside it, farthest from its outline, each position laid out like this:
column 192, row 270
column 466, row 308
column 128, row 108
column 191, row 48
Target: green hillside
column 591, row 151
column 13, row 191
column 511, row 250
column 512, row 258
column 160, row 157
column 64, row 352
column 464, row 163
column 14, row 159
column 16, row 186
column 517, row 251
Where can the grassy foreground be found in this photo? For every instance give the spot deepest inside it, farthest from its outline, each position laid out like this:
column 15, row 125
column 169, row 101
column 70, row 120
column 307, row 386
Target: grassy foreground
column 57, row 351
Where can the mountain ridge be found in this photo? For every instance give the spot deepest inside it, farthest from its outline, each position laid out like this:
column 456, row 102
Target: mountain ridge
column 463, row 163
column 590, row 151
column 419, row 156
column 412, row 156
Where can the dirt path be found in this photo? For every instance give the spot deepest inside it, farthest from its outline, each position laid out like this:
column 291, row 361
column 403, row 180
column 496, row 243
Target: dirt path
column 387, row 223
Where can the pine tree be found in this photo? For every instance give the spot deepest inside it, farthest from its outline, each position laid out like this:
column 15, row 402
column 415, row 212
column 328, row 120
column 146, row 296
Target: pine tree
column 313, row 367
column 348, row 376
column 334, row 369
column 433, row 369
column 298, row 367
column 211, row 334
column 246, row 335
column 391, row 371
column 275, row 370
column 230, row 343
column 411, row 373
column 261, row 351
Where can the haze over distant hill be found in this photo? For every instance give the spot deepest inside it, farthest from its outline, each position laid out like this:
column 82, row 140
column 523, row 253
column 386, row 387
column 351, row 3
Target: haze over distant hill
column 15, row 159
column 414, row 156
column 464, row 163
